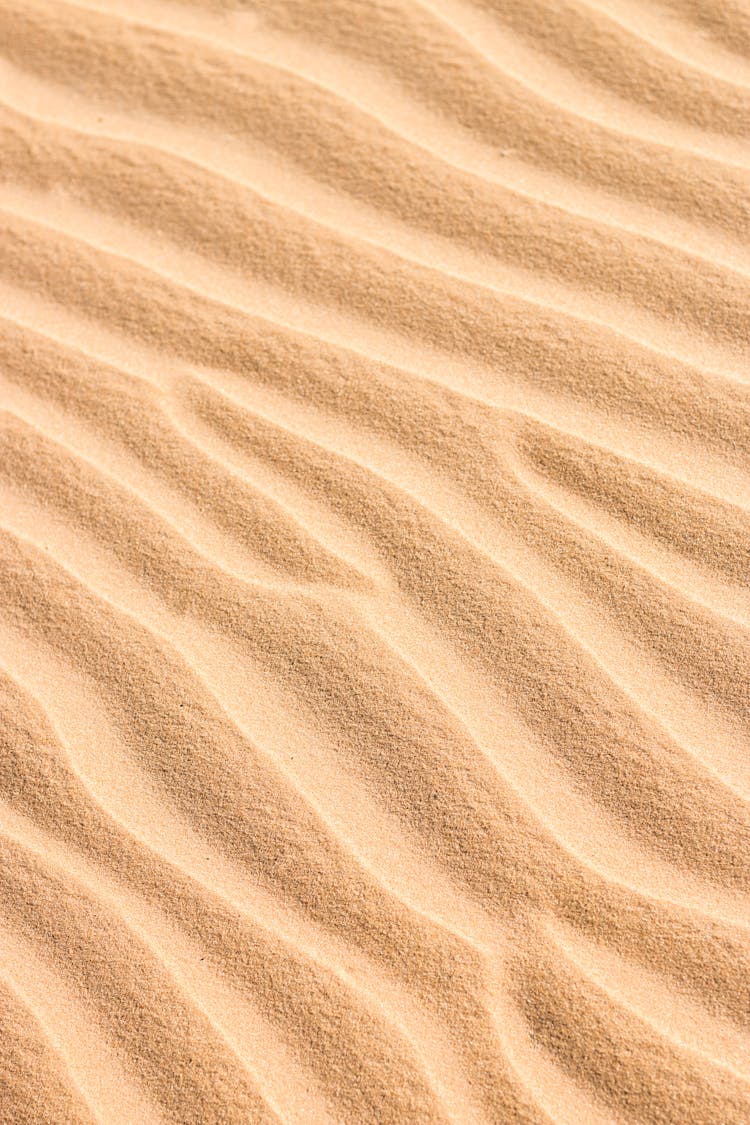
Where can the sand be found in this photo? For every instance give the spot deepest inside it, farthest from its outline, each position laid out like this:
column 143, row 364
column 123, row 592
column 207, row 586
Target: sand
column 374, row 558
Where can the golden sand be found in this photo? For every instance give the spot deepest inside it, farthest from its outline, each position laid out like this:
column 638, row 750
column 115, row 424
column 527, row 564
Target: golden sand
column 375, row 562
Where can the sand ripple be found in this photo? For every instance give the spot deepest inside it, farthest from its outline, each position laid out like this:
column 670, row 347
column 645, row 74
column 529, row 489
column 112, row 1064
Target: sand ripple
column 374, row 651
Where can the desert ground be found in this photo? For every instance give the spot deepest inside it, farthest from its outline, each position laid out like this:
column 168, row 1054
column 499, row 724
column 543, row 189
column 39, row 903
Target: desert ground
column 374, row 562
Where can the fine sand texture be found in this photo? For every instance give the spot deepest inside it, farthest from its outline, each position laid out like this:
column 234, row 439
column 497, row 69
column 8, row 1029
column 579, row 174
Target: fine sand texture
column 374, row 562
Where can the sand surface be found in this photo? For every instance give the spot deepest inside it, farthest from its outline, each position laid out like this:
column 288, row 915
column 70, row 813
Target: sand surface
column 374, row 562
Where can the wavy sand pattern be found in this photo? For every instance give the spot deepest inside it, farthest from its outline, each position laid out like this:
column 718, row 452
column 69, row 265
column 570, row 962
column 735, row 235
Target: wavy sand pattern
column 374, row 553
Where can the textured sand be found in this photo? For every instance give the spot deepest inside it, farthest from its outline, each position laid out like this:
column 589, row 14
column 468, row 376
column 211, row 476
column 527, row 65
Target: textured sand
column 374, row 561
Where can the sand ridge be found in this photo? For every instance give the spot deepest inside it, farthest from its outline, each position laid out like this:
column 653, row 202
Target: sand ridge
column 374, row 537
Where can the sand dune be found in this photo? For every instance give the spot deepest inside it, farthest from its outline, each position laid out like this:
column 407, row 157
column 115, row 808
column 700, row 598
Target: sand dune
column 374, row 631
